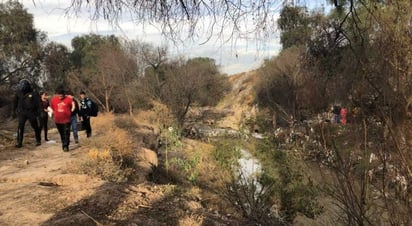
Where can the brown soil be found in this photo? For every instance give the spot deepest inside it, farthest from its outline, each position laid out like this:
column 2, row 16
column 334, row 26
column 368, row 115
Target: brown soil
column 39, row 186
column 35, row 183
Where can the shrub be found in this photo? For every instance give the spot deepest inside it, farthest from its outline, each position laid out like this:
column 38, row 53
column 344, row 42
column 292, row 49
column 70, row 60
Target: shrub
column 102, row 164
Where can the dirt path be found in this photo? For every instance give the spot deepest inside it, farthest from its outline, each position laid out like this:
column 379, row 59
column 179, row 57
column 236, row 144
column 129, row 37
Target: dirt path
column 39, row 186
column 35, row 182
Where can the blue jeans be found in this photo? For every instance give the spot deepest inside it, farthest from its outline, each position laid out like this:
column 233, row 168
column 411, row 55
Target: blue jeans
column 73, row 122
column 337, row 118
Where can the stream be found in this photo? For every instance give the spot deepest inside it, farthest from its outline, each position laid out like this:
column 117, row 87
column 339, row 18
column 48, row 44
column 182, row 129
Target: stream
column 249, row 169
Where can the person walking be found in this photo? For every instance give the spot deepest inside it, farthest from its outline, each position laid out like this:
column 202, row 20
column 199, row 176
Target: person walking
column 343, row 113
column 85, row 109
column 62, row 108
column 336, row 113
column 26, row 106
column 74, row 118
column 44, row 117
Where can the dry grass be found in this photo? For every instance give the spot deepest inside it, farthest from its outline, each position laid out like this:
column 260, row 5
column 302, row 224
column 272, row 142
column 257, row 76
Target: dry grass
column 211, row 181
column 97, row 155
column 192, row 220
column 159, row 116
column 207, row 164
column 113, row 156
column 116, row 154
column 111, row 136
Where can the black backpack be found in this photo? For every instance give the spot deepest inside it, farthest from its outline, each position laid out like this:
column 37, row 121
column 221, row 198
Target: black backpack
column 94, row 110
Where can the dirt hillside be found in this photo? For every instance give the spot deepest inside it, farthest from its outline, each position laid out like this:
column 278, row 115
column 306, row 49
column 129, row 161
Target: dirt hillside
column 238, row 104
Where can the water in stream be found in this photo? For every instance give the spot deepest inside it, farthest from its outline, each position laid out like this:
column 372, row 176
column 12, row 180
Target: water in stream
column 249, row 169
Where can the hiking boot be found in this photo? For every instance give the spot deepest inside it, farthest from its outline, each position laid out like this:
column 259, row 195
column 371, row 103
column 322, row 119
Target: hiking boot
column 65, row 149
column 38, row 143
column 19, row 145
column 76, row 141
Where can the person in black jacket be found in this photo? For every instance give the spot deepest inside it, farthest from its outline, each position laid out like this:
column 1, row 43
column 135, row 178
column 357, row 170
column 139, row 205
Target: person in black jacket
column 336, row 113
column 44, row 115
column 27, row 106
column 85, row 109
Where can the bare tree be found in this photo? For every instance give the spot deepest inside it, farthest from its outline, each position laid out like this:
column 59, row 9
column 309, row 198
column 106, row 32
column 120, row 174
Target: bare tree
column 281, row 86
column 188, row 18
column 195, row 82
column 57, row 65
column 150, row 61
column 115, row 70
column 146, row 54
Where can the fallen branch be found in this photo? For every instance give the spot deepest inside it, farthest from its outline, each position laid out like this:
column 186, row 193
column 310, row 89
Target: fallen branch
column 48, row 184
column 94, row 220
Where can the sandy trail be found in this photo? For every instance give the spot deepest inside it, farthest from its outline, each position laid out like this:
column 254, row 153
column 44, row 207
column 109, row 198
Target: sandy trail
column 35, row 182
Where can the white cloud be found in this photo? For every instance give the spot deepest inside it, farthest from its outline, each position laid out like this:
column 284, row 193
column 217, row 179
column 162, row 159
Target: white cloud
column 234, row 57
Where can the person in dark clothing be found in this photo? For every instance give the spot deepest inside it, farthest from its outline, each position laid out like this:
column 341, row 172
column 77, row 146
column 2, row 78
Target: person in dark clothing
column 336, row 113
column 85, row 108
column 44, row 117
column 27, row 106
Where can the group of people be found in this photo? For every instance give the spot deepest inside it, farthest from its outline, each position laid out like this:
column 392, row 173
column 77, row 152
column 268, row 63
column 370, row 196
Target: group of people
column 339, row 114
column 64, row 108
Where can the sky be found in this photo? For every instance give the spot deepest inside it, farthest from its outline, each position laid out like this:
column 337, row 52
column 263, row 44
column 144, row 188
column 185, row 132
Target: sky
column 234, row 57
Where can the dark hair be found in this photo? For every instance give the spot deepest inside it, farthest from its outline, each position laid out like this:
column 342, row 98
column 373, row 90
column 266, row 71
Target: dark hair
column 42, row 92
column 60, row 91
column 24, row 86
column 82, row 92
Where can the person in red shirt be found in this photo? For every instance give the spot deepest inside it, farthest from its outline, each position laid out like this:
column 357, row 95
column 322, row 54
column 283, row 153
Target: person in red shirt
column 62, row 106
column 343, row 113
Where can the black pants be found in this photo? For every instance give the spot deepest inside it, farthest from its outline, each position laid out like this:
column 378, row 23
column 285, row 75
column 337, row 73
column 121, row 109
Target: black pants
column 86, row 125
column 23, row 117
column 64, row 131
column 43, row 120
